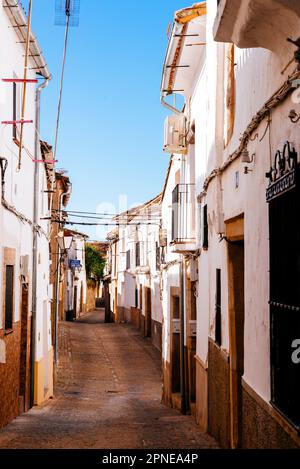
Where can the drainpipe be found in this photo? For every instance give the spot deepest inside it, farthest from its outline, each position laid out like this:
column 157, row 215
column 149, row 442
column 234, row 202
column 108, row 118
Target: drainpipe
column 182, row 337
column 57, row 280
column 184, row 406
column 168, row 106
column 35, row 236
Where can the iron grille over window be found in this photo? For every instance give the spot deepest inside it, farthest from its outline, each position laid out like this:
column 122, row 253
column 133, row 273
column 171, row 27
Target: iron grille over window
column 158, row 258
column 205, row 228
column 138, row 254
column 183, row 203
column 218, row 331
column 9, row 297
column 128, row 260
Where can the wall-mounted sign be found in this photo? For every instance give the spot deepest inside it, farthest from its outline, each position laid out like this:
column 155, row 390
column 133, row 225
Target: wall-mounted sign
column 75, row 263
column 282, row 174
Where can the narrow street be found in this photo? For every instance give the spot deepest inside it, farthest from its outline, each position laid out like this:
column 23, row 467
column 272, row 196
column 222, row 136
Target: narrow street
column 107, row 395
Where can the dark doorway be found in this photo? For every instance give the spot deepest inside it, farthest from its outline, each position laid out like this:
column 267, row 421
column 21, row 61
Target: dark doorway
column 191, row 343
column 285, row 302
column 236, row 333
column 175, row 346
column 24, row 391
column 75, row 303
column 148, row 313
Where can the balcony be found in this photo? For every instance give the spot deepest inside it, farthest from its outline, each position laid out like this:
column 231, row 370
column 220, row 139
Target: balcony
column 258, row 23
column 183, row 219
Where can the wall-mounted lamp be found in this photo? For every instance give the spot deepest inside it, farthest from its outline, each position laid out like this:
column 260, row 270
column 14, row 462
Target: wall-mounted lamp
column 294, row 116
column 247, row 159
column 64, row 242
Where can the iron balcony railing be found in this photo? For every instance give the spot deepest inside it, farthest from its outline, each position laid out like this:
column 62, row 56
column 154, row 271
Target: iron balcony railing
column 183, row 213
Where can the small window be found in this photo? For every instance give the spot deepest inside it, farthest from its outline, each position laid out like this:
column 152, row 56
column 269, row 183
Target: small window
column 14, row 127
column 218, row 318
column 205, row 228
column 16, row 112
column 9, row 297
column 138, row 254
column 128, row 260
column 158, row 256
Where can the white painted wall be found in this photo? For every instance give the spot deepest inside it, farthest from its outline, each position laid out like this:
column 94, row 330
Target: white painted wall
column 258, row 76
column 14, row 233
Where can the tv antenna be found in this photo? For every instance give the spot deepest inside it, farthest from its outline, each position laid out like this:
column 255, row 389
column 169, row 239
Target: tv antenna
column 67, row 11
column 66, row 14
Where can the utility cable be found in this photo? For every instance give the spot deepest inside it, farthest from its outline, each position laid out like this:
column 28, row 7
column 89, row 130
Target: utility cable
column 61, row 83
column 25, row 82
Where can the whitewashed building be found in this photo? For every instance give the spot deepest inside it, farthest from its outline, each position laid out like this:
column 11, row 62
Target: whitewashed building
column 75, row 276
column 26, row 355
column 134, row 269
column 235, row 153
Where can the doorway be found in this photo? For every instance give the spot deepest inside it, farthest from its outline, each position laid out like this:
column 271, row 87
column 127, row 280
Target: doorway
column 175, row 344
column 236, row 310
column 75, row 303
column 46, row 346
column 285, row 302
column 191, row 342
column 148, row 313
column 24, row 352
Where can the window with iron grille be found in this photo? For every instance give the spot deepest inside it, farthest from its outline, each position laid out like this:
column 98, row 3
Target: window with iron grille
column 138, row 254
column 128, row 259
column 14, row 127
column 158, row 258
column 175, row 201
column 205, row 228
column 9, row 297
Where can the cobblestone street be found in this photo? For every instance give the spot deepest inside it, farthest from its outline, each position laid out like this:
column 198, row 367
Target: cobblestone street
column 107, row 395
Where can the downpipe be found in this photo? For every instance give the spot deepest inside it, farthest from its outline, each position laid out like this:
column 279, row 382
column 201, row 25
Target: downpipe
column 184, row 406
column 168, row 106
column 57, row 280
column 35, row 237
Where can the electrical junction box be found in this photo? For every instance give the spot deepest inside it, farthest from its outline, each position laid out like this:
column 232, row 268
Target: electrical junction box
column 192, row 328
column 193, row 270
column 176, row 326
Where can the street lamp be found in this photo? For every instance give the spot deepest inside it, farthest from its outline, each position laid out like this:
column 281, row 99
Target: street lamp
column 64, row 242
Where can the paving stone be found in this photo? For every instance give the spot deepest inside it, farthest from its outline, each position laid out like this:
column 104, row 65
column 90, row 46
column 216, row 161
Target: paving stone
column 108, row 395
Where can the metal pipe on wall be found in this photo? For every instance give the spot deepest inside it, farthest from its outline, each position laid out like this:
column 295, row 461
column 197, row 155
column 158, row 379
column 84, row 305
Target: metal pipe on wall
column 35, row 235
column 182, row 337
column 57, row 280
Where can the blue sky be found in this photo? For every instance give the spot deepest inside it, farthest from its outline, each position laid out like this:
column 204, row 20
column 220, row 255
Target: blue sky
column 111, row 132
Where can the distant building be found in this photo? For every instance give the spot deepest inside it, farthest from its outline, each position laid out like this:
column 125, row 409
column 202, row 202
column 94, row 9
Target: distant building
column 75, row 274
column 134, row 269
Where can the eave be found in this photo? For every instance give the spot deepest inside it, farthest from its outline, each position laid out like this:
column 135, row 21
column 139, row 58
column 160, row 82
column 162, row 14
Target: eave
column 181, row 62
column 18, row 19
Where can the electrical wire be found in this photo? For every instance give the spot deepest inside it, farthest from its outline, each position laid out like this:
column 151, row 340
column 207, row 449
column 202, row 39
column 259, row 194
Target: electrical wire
column 25, row 82
column 100, row 213
column 74, row 222
column 61, row 83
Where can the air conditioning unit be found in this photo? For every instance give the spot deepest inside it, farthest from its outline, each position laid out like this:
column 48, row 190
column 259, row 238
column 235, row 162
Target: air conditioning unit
column 175, row 134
